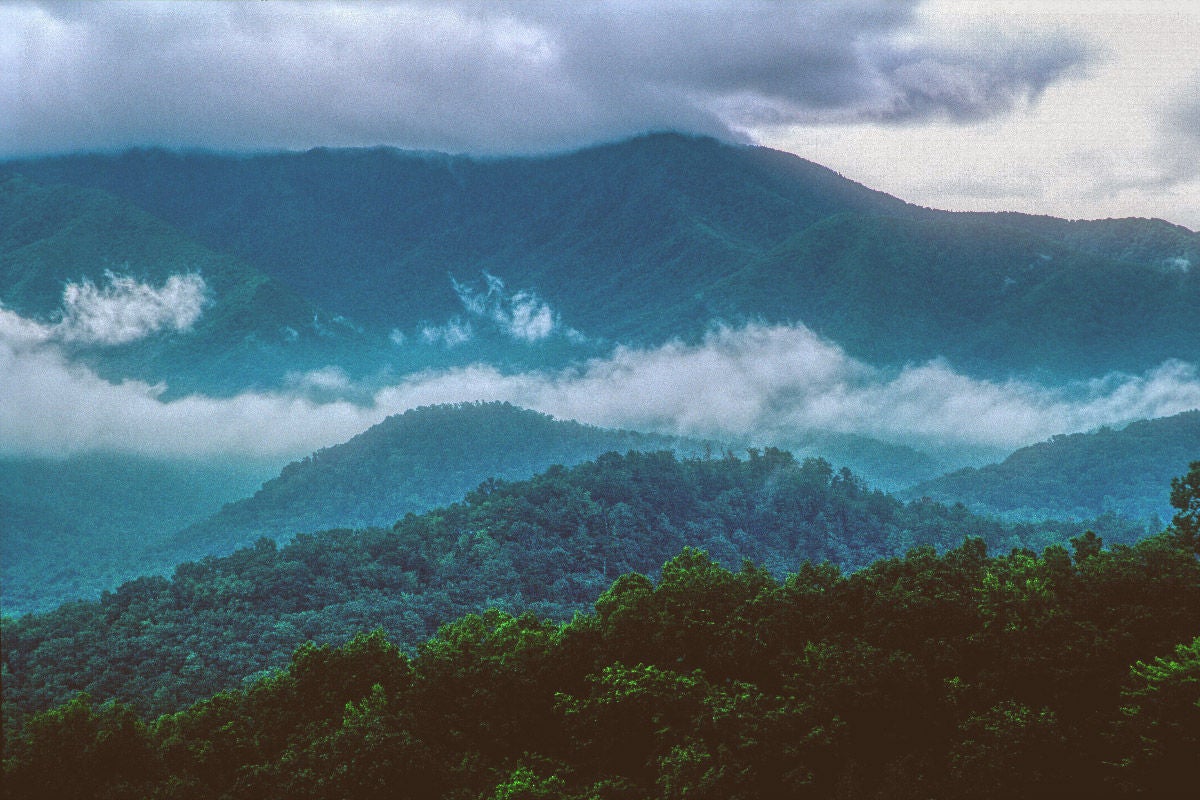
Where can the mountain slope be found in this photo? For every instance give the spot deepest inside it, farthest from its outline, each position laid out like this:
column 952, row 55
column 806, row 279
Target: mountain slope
column 974, row 291
column 550, row 544
column 252, row 329
column 75, row 527
column 410, row 462
column 71, row 529
column 672, row 210
column 655, row 237
column 1125, row 471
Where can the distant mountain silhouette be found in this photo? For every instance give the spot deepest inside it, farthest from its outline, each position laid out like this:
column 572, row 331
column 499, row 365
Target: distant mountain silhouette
column 1126, row 471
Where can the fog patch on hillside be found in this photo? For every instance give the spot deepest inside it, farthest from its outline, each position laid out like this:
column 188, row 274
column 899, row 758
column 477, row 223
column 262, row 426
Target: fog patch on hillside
column 119, row 311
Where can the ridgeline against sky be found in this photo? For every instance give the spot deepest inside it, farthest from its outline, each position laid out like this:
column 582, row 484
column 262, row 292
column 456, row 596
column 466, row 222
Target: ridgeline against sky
column 1029, row 106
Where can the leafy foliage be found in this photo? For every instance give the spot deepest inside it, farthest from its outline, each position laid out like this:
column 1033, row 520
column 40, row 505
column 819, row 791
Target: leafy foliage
column 549, row 545
column 953, row 675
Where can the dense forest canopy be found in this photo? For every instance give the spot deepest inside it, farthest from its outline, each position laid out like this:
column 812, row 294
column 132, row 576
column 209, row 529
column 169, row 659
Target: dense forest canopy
column 548, row 545
column 426, row 457
column 953, row 675
column 139, row 516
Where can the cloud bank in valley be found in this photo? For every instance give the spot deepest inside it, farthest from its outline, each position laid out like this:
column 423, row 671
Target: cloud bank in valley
column 763, row 383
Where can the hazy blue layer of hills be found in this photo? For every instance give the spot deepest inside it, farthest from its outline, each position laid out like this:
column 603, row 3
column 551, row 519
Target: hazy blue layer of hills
column 550, row 544
column 1126, row 471
column 341, row 257
column 71, row 529
column 410, row 462
column 74, row 527
column 656, row 237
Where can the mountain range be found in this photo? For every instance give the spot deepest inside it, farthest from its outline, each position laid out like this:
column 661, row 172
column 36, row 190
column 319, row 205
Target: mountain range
column 317, row 282
column 72, row 528
column 637, row 242
column 609, row 448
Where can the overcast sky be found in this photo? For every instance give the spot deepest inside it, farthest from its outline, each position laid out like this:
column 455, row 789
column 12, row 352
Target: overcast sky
column 1078, row 109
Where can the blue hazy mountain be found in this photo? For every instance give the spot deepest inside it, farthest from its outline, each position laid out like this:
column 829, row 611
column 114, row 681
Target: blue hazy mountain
column 1126, row 471
column 656, row 237
column 72, row 528
column 254, row 329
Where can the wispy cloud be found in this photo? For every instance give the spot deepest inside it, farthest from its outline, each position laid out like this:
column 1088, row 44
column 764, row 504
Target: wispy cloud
column 452, row 334
column 522, row 315
column 122, row 310
column 761, row 383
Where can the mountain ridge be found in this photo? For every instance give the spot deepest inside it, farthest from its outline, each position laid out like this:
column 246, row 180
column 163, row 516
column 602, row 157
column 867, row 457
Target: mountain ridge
column 1124, row 471
column 646, row 240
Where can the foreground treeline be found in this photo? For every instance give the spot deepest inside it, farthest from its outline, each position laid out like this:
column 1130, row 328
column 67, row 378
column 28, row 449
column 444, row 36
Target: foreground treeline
column 550, row 545
column 954, row 675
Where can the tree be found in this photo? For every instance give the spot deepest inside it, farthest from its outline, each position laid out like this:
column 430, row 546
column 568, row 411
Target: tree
column 1185, row 496
column 1160, row 729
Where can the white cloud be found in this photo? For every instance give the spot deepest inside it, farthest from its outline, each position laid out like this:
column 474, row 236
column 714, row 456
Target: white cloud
column 1114, row 138
column 523, row 316
column 122, row 311
column 126, row 310
column 764, row 383
column 452, row 334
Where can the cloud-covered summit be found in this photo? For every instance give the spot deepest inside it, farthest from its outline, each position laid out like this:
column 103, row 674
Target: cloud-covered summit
column 485, row 78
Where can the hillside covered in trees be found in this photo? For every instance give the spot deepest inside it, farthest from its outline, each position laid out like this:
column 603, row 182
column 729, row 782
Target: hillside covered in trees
column 953, row 675
column 72, row 528
column 427, row 457
column 1124, row 471
column 549, row 545
column 635, row 242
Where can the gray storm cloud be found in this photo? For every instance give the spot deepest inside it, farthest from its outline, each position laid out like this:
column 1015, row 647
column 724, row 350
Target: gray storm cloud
column 760, row 383
column 485, row 78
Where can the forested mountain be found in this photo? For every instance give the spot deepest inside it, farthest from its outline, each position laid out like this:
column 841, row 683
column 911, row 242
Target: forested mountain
column 656, row 237
column 1123, row 471
column 73, row 528
column 550, row 544
column 253, row 329
column 411, row 462
column 954, row 675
